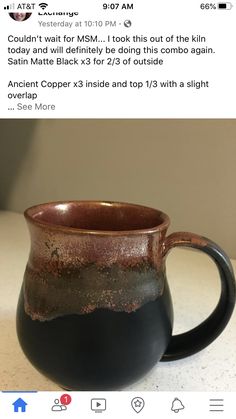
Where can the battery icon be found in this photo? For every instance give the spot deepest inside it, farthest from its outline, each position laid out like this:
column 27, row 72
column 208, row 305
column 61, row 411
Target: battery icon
column 226, row 6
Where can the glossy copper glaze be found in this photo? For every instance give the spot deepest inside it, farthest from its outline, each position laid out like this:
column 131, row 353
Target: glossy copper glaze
column 88, row 254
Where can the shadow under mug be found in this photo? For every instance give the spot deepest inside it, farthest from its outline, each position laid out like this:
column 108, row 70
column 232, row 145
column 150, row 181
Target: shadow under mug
column 95, row 310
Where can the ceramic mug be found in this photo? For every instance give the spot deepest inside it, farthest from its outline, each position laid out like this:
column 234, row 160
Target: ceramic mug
column 95, row 311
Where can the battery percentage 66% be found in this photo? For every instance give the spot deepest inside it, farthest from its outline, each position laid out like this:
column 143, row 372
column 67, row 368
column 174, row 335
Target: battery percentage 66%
column 214, row 6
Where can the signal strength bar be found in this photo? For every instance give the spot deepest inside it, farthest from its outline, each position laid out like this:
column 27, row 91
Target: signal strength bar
column 9, row 7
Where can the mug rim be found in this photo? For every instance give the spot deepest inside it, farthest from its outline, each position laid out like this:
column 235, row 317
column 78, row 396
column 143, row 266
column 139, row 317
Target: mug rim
column 31, row 211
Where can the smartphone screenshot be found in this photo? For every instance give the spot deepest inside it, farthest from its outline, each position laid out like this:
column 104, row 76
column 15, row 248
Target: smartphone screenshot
column 117, row 209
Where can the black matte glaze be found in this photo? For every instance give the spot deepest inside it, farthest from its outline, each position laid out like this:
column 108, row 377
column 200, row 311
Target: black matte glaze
column 200, row 337
column 103, row 350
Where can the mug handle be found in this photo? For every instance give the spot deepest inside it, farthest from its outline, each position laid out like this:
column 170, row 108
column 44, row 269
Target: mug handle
column 196, row 339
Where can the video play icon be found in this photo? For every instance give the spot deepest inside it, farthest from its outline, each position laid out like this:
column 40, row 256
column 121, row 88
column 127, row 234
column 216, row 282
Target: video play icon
column 98, row 405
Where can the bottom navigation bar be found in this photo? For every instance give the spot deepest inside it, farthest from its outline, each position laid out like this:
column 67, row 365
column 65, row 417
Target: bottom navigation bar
column 116, row 404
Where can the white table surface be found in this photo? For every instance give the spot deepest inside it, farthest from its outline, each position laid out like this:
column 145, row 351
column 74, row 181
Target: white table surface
column 194, row 284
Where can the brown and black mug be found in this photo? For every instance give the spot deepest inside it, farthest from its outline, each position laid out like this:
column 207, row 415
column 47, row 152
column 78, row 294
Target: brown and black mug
column 95, row 311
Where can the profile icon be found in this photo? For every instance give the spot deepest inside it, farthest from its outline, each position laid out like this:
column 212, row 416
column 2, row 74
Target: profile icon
column 20, row 16
column 58, row 407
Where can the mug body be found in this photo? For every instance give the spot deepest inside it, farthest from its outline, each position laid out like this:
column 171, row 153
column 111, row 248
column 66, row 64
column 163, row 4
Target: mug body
column 95, row 310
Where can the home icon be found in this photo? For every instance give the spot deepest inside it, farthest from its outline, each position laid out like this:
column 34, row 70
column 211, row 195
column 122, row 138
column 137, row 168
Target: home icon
column 19, row 405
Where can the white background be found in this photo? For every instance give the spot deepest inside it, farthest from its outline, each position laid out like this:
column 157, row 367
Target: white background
column 151, row 17
column 157, row 405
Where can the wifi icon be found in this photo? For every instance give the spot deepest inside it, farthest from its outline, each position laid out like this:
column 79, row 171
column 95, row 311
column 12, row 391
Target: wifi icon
column 43, row 5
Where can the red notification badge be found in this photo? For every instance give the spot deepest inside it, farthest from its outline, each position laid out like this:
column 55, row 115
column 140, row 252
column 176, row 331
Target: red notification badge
column 65, row 399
